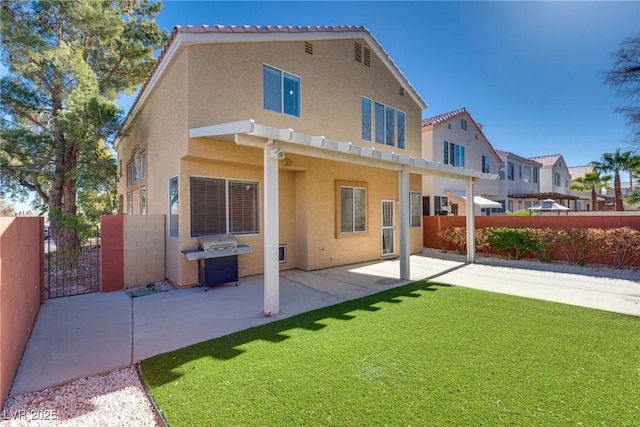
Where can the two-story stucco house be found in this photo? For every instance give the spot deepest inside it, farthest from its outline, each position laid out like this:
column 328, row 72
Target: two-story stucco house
column 555, row 179
column 519, row 182
column 454, row 138
column 303, row 138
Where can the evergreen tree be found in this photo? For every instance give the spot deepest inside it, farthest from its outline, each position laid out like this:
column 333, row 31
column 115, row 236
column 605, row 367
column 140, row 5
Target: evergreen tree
column 67, row 62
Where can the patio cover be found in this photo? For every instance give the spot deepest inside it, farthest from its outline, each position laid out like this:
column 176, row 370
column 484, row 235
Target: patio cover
column 477, row 200
column 276, row 142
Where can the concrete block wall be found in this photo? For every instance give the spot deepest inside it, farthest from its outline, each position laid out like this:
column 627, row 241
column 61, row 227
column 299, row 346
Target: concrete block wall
column 144, row 249
column 21, row 290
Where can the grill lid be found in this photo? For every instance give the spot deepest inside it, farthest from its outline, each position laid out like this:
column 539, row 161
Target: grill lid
column 217, row 241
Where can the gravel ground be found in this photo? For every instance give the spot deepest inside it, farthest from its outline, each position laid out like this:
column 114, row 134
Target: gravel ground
column 118, row 398
column 113, row 399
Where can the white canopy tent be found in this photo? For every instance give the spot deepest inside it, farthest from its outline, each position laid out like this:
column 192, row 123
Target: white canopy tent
column 549, row 205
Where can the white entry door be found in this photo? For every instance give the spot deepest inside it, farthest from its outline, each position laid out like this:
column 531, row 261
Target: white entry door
column 388, row 227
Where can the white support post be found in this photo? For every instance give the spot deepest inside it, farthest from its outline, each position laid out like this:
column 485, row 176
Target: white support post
column 271, row 232
column 471, row 223
column 405, row 221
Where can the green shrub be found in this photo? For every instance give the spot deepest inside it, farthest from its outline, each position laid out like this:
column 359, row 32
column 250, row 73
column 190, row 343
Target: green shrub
column 579, row 245
column 543, row 242
column 514, row 241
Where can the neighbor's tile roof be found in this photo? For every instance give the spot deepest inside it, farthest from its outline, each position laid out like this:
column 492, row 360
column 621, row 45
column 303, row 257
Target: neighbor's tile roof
column 443, row 117
column 547, row 161
column 577, row 171
column 265, row 29
column 440, row 118
column 504, row 154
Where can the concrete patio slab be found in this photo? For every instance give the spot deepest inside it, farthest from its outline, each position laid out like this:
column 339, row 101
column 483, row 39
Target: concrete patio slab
column 75, row 337
column 85, row 335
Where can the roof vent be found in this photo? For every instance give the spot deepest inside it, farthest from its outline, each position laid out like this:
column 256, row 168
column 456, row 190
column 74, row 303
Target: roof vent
column 367, row 57
column 308, row 47
column 401, row 91
column 358, row 52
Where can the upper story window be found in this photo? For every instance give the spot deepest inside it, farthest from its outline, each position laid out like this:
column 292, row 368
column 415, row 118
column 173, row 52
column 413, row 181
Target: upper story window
column 519, row 171
column 510, row 171
column 366, row 118
column 485, row 164
column 463, row 124
column 385, row 124
column 556, row 179
column 454, row 154
column 136, row 168
column 527, row 174
column 535, row 175
column 281, row 91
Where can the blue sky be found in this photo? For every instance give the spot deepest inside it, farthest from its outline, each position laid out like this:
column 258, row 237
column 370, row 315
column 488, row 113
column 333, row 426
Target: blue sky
column 529, row 71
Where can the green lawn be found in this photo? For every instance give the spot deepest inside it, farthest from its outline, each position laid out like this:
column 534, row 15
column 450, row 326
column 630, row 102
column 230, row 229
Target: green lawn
column 422, row 354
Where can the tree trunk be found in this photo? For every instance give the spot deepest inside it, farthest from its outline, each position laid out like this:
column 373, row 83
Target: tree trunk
column 617, row 191
column 594, row 199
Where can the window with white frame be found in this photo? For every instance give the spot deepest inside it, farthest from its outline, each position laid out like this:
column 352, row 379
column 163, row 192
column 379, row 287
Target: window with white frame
column 510, row 205
column 129, row 203
column 173, row 207
column 401, row 129
column 485, row 164
column 510, row 171
column 386, row 124
column 416, row 209
column 527, row 174
column 143, row 164
column 366, row 118
column 220, row 206
column 535, row 175
column 454, row 154
column 353, row 209
column 143, row 201
column 281, row 91
column 556, row 179
column 463, row 124
column 136, row 167
column 519, row 171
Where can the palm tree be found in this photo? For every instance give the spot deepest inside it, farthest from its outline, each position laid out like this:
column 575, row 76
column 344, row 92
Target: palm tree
column 615, row 162
column 591, row 181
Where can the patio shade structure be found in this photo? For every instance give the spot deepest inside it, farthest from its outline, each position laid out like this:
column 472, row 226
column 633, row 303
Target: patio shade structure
column 477, row 200
column 276, row 142
column 549, row 205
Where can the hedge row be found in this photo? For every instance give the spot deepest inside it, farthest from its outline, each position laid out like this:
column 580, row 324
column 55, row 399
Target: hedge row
column 617, row 246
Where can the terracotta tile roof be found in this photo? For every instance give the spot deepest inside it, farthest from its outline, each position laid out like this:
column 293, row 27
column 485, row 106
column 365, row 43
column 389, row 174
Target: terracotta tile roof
column 548, row 160
column 443, row 117
column 504, row 154
column 266, row 29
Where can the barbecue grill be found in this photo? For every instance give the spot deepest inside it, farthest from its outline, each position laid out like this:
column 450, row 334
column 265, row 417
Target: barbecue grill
column 217, row 257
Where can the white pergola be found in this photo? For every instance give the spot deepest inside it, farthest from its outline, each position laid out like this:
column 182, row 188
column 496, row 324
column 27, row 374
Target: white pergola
column 274, row 141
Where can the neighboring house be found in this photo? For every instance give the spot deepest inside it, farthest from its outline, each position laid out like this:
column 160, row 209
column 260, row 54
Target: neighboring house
column 519, row 182
column 584, row 197
column 555, row 180
column 456, row 139
column 303, row 142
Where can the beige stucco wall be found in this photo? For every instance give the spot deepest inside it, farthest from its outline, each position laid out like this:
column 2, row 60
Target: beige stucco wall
column 144, row 249
column 219, row 83
column 160, row 129
column 332, row 84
